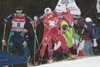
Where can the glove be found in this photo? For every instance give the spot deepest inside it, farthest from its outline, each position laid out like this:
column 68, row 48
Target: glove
column 95, row 43
column 62, row 17
column 35, row 18
column 25, row 30
column 72, row 24
column 85, row 26
column 4, row 21
column 4, row 42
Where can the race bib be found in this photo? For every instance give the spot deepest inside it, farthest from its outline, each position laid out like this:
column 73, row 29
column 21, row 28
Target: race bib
column 18, row 24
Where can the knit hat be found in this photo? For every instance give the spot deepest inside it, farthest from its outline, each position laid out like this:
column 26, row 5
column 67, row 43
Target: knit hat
column 64, row 27
column 88, row 19
column 47, row 10
column 58, row 9
column 18, row 10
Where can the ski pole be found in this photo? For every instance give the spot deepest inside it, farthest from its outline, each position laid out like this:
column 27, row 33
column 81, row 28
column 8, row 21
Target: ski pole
column 4, row 35
column 81, row 37
column 35, row 35
column 40, row 44
column 35, row 39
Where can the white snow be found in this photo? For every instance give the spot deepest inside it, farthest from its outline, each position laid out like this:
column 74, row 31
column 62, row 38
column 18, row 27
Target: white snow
column 85, row 62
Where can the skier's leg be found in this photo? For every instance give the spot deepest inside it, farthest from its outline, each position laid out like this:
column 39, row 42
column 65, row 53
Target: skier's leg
column 50, row 50
column 45, row 39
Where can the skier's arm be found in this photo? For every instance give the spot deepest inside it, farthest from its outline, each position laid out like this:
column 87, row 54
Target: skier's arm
column 37, row 20
column 64, row 18
column 9, row 18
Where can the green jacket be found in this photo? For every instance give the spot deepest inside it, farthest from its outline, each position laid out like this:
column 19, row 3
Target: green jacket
column 68, row 34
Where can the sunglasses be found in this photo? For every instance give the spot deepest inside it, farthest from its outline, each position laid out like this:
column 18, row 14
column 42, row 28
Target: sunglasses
column 19, row 11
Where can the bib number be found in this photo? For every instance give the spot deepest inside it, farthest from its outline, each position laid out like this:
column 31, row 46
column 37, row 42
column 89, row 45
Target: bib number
column 18, row 24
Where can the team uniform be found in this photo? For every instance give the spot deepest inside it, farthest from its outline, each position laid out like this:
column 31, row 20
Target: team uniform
column 52, row 33
column 16, row 33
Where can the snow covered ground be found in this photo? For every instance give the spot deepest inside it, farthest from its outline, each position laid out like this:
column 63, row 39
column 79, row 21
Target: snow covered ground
column 85, row 62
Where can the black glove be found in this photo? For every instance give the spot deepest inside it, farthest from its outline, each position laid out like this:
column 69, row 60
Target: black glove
column 62, row 17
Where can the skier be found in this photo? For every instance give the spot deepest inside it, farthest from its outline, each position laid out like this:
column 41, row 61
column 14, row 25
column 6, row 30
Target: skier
column 46, row 39
column 52, row 33
column 68, row 31
column 18, row 20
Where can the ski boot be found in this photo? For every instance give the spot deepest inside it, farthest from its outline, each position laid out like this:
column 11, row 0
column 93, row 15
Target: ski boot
column 50, row 60
column 40, row 61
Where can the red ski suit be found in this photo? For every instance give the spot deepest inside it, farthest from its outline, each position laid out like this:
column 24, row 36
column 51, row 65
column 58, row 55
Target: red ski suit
column 52, row 33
